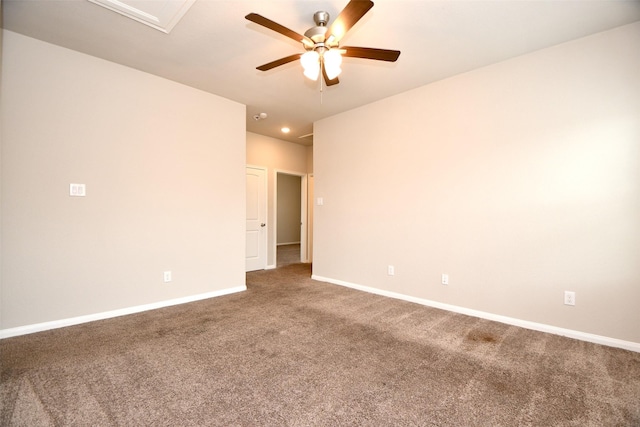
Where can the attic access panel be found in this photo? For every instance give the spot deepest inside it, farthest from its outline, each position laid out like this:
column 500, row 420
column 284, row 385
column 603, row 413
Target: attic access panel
column 162, row 15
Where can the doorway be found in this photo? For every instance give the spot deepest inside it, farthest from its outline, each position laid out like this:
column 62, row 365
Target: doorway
column 291, row 218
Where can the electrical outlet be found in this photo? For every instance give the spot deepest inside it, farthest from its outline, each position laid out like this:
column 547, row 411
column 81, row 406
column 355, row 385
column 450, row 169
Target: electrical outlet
column 569, row 298
column 167, row 276
column 445, row 279
column 391, row 270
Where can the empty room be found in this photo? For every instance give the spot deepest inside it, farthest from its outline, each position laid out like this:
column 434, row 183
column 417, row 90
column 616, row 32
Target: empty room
column 466, row 176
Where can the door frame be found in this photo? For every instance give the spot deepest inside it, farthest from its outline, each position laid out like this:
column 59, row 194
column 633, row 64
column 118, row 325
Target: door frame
column 310, row 213
column 304, row 256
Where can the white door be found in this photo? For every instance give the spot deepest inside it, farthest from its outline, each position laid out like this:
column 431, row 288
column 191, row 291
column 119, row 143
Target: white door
column 256, row 240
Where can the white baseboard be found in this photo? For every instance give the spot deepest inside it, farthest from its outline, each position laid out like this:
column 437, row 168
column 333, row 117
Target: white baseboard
column 583, row 336
column 39, row 327
column 270, row 267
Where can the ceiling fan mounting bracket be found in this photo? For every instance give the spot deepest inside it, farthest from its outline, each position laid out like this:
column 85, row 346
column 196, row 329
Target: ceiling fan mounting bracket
column 321, row 18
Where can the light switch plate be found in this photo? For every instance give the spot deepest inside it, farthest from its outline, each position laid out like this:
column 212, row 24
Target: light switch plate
column 77, row 190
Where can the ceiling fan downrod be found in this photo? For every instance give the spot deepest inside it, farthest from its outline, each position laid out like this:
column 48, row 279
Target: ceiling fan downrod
column 318, row 33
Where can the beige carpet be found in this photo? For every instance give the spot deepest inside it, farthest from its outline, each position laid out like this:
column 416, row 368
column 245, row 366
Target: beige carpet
column 287, row 254
column 294, row 352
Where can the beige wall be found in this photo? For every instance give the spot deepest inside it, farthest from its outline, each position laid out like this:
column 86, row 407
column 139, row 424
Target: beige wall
column 309, row 159
column 520, row 180
column 164, row 169
column 275, row 155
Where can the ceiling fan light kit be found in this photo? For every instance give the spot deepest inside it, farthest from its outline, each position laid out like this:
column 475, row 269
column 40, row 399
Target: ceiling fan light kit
column 310, row 61
column 323, row 53
column 332, row 61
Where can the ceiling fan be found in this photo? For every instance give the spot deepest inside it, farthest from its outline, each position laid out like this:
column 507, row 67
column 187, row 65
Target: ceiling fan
column 323, row 53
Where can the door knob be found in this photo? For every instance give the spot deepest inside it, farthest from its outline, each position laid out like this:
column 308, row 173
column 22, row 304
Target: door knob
column 263, row 224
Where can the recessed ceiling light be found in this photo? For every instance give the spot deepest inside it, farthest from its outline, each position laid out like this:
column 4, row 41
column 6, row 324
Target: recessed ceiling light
column 285, row 130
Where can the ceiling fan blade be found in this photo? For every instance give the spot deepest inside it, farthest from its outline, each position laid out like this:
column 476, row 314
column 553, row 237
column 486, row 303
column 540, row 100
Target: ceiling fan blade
column 371, row 53
column 326, row 78
column 268, row 23
column 279, row 62
column 351, row 14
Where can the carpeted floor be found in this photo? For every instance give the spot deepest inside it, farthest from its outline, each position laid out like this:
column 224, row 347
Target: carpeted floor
column 287, row 254
column 295, row 352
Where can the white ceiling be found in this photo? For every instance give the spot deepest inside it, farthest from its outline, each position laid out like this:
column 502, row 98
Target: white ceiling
column 215, row 49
